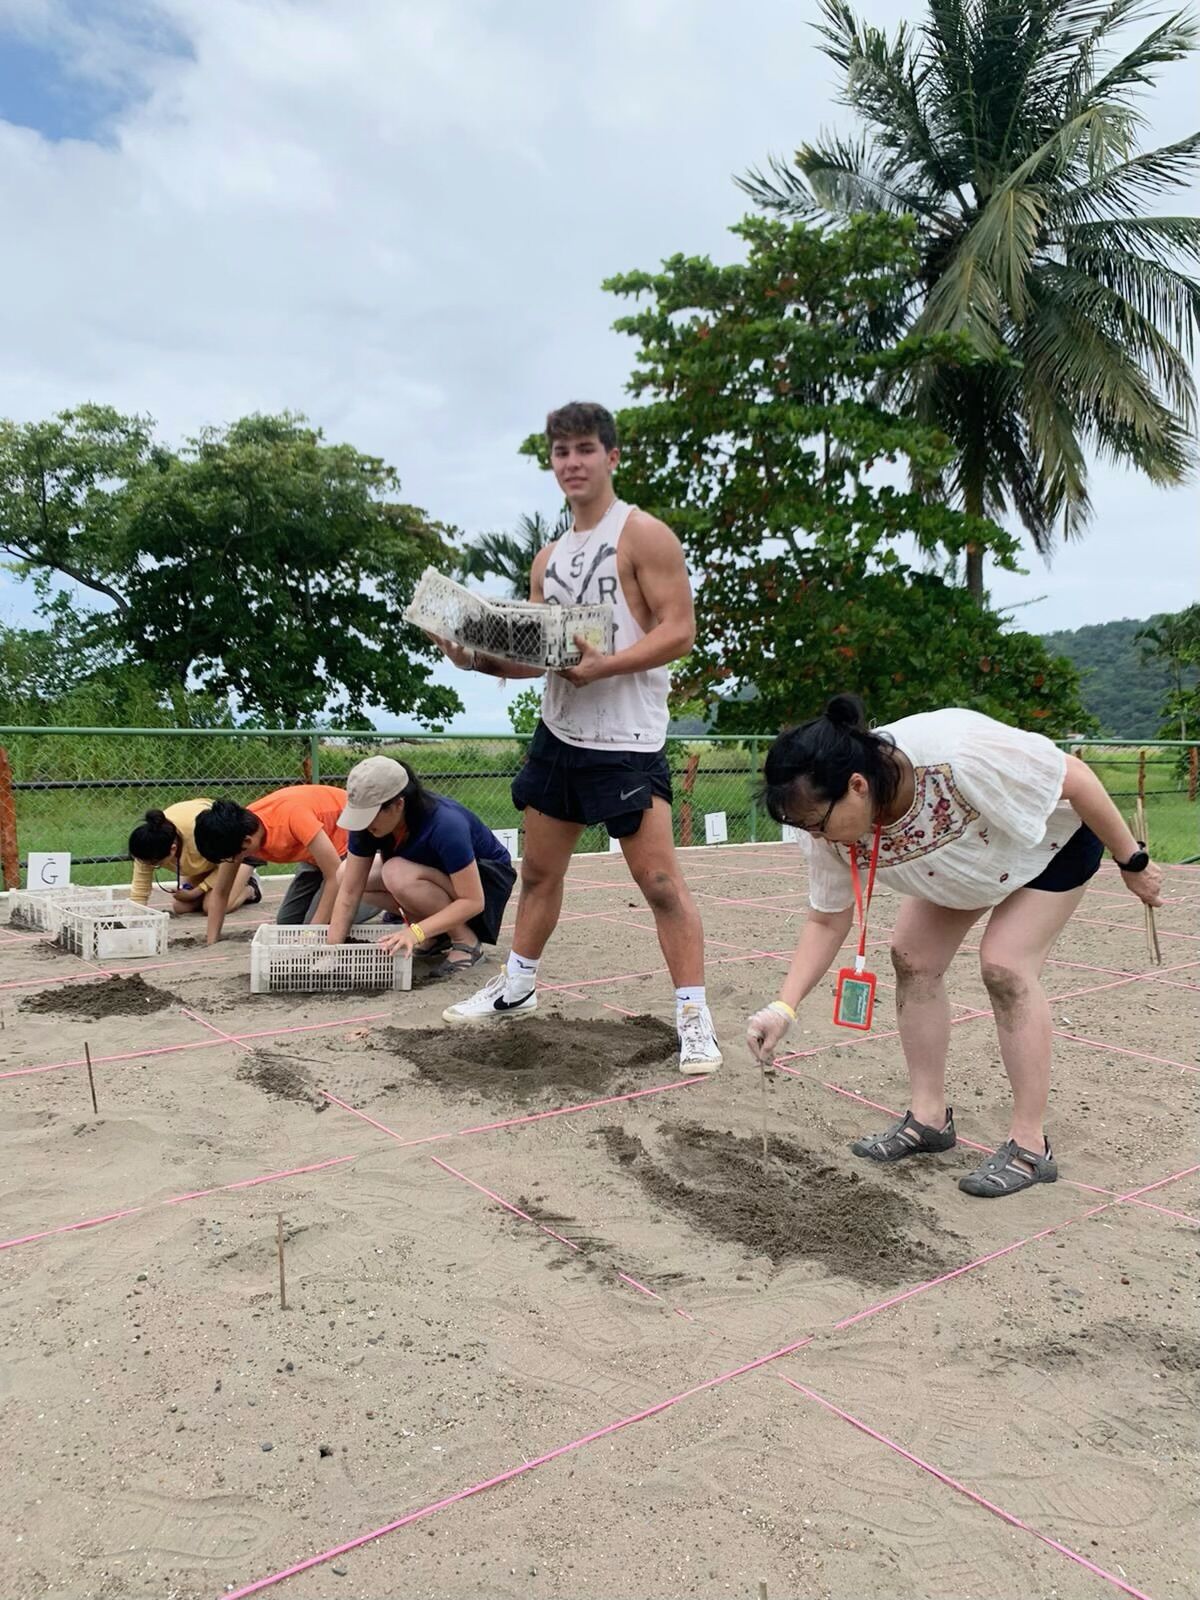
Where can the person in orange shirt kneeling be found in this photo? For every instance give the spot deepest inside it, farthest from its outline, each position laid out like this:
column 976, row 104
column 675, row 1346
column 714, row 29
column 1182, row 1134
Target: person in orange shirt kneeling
column 298, row 824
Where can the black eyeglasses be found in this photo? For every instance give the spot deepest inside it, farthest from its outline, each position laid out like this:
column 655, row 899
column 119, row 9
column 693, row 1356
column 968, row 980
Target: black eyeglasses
column 816, row 827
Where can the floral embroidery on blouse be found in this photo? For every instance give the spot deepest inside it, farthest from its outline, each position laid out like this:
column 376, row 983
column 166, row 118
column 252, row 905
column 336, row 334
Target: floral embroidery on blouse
column 939, row 814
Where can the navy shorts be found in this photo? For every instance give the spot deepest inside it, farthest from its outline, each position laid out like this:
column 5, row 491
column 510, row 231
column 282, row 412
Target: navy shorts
column 586, row 787
column 1077, row 861
column 497, row 878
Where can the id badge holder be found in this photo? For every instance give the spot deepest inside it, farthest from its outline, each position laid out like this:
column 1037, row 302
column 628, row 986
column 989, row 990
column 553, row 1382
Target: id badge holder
column 854, row 1000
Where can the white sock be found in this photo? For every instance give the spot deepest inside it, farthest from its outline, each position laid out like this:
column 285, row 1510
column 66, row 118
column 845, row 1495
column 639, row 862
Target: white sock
column 520, row 973
column 689, row 995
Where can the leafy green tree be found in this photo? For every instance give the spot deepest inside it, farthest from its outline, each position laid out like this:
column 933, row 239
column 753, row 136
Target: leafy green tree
column 510, row 555
column 1009, row 130
column 259, row 566
column 759, row 439
column 62, row 484
column 1122, row 688
column 524, row 709
column 1174, row 642
column 905, row 640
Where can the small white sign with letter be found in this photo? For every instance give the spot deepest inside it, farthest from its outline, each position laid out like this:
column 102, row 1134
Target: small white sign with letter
column 510, row 838
column 48, row 869
column 790, row 835
column 716, row 827
column 613, row 846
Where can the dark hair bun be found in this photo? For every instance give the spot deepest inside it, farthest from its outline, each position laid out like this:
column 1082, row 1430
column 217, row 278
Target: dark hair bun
column 156, row 818
column 847, row 711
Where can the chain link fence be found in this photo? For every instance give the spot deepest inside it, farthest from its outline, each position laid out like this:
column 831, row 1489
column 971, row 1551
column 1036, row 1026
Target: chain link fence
column 83, row 790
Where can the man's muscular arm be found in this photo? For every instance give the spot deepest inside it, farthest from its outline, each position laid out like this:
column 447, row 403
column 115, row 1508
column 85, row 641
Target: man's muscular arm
column 662, row 576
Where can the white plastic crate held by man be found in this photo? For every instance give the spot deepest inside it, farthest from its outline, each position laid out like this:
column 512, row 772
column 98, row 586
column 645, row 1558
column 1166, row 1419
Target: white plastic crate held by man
column 534, row 635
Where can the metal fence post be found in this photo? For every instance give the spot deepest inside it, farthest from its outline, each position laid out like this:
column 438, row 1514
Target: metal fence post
column 10, row 855
column 753, row 790
column 314, row 757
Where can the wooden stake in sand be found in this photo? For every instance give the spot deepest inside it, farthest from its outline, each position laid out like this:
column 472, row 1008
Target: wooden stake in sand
column 762, row 1589
column 1143, row 833
column 762, row 1083
column 279, row 1252
column 87, row 1056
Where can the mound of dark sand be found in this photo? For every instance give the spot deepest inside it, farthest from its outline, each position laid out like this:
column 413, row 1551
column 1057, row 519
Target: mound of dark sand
column 800, row 1208
column 523, row 1058
column 107, row 997
column 279, row 1077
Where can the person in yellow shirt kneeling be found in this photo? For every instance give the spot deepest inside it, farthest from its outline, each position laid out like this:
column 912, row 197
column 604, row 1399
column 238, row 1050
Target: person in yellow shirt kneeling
column 167, row 840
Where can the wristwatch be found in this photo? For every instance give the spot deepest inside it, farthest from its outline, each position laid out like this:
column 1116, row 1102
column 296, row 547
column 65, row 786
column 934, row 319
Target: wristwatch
column 1138, row 861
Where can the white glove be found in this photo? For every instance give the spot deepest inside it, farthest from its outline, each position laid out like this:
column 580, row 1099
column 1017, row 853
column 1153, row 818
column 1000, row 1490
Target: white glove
column 767, row 1029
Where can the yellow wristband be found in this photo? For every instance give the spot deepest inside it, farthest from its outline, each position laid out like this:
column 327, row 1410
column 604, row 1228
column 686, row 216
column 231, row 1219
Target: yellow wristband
column 417, row 932
column 782, row 1005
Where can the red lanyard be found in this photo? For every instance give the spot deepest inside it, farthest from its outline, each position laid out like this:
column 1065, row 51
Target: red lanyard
column 864, row 910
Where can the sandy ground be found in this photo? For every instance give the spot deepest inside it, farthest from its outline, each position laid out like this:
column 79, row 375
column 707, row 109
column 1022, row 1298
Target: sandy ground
column 168, row 1430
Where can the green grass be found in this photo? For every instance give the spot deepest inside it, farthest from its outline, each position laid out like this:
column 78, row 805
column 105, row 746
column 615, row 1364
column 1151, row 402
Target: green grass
column 477, row 772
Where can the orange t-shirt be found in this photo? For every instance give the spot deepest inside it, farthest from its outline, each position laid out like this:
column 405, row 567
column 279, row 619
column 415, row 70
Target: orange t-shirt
column 294, row 817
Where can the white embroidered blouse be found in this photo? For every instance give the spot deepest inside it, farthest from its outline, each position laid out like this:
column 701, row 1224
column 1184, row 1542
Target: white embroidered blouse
column 987, row 817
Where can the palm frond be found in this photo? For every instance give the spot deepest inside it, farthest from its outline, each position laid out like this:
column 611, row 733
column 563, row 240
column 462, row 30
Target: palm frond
column 1130, row 183
column 1169, row 237
column 785, row 191
column 884, row 83
column 1172, row 40
column 1159, row 292
column 1102, row 24
column 846, row 176
column 1066, row 352
column 1132, row 330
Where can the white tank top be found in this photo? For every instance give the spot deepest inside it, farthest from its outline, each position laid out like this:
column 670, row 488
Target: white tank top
column 628, row 712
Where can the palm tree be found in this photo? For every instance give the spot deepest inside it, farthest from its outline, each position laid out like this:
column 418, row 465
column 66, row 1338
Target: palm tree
column 510, row 555
column 1009, row 130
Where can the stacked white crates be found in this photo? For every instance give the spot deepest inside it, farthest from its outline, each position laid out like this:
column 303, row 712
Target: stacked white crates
column 535, row 635
column 40, row 910
column 105, row 932
column 296, row 959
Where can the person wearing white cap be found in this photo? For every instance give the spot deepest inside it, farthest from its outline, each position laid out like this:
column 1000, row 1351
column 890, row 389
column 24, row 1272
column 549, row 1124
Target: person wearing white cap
column 420, row 853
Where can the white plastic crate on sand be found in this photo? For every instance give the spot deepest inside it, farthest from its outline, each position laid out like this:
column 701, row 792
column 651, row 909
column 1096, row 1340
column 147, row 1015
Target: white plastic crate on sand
column 515, row 630
column 100, row 933
column 297, row 960
column 40, row 910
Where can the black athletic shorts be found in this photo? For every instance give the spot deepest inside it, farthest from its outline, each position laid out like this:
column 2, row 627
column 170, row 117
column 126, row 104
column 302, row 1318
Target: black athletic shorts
column 1077, row 861
column 614, row 787
column 498, row 878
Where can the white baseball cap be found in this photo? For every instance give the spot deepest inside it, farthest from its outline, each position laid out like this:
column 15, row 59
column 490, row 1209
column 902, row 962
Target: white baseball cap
column 368, row 786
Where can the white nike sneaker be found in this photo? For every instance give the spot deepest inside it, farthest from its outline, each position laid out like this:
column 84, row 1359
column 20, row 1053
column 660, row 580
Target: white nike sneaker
column 489, row 1004
column 699, row 1052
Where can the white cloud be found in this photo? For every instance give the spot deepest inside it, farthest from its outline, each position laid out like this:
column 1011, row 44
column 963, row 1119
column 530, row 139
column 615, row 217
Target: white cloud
column 395, row 216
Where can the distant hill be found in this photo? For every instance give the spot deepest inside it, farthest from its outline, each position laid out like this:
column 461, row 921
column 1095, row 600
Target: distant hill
column 1124, row 696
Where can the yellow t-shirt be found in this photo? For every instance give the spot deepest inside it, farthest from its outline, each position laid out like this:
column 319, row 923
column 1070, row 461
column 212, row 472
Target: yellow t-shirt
column 193, row 867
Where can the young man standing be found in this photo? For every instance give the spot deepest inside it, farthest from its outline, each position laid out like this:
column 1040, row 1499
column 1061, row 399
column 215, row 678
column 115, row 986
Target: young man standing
column 598, row 752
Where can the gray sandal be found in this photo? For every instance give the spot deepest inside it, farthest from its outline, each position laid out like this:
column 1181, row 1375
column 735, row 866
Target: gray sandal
column 1003, row 1173
column 451, row 968
column 908, row 1137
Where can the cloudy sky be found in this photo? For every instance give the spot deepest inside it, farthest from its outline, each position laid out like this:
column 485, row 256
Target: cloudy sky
column 396, row 216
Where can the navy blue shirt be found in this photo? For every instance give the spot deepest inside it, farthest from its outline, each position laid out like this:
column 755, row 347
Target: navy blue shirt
column 449, row 839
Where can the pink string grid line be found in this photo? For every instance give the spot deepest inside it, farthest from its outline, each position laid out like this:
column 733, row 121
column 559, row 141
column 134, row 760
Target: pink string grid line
column 95, row 972
column 961, row 1488
column 336, row 1161
column 1070, row 1183
column 661, row 1406
column 193, row 1044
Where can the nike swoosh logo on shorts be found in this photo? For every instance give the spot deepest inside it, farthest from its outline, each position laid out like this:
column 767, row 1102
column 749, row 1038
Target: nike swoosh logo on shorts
column 628, row 795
